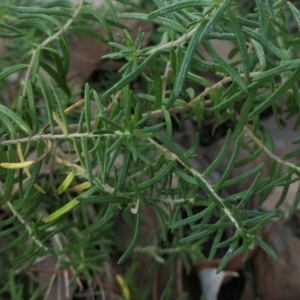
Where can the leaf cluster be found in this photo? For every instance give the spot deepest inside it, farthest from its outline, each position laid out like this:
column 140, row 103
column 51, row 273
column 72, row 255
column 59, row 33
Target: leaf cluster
column 111, row 154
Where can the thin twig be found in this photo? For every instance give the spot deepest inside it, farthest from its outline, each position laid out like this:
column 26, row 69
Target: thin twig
column 202, row 179
column 177, row 109
column 28, row 228
column 49, row 40
column 269, row 153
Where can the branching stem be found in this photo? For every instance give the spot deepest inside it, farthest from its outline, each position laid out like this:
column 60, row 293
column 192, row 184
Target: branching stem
column 28, row 228
column 269, row 153
column 49, row 40
column 202, row 179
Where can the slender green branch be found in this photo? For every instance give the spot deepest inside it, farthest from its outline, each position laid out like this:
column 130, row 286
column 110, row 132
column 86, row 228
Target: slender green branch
column 158, row 113
column 268, row 152
column 28, row 228
column 175, row 43
column 202, row 179
column 40, row 137
column 49, row 40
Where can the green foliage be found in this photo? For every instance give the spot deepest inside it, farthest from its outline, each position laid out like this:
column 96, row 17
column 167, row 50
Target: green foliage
column 122, row 158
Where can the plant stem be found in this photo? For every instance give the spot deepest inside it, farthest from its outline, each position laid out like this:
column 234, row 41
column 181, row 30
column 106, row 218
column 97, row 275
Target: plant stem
column 28, row 228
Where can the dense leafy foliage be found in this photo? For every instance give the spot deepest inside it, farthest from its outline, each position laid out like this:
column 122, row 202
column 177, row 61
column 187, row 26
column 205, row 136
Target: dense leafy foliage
column 121, row 157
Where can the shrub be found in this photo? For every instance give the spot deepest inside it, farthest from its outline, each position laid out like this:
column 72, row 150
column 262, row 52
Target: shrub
column 68, row 171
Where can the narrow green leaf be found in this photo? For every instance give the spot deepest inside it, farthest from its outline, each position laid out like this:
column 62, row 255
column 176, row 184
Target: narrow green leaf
column 291, row 154
column 16, row 118
column 296, row 141
column 12, row 70
column 164, row 172
column 175, row 6
column 197, row 79
column 59, row 103
column 36, row 63
column 34, row 171
column 265, row 247
column 262, row 20
column 157, row 82
column 181, row 158
column 132, row 148
column 69, row 206
column 112, row 10
column 181, row 174
column 65, row 54
column 200, row 32
column 59, row 3
column 226, row 66
column 134, row 240
column 7, row 125
column 116, row 144
column 169, row 130
column 219, row 225
column 197, row 236
column 131, row 76
column 230, row 164
column 87, row 107
column 277, row 93
column 243, row 119
column 87, row 159
column 214, row 248
column 295, row 203
column 104, row 199
column 195, row 217
column 230, row 241
column 11, row 32
column 249, row 158
column 6, row 222
column 243, row 176
column 260, row 53
column 129, row 217
column 162, row 216
column 241, row 42
column 127, row 99
column 9, row 176
column 276, row 116
column 89, row 32
column 295, row 13
column 38, row 10
column 283, row 195
column 57, row 78
column 45, row 18
column 109, row 214
column 35, row 25
column 147, row 130
column 268, row 44
column 262, row 221
column 194, row 147
column 162, row 21
column 270, row 8
column 283, row 67
column 114, row 125
column 228, row 255
column 128, row 2
column 220, row 156
column 268, row 138
column 101, row 20
column 19, row 240
column 47, row 99
column 32, row 103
